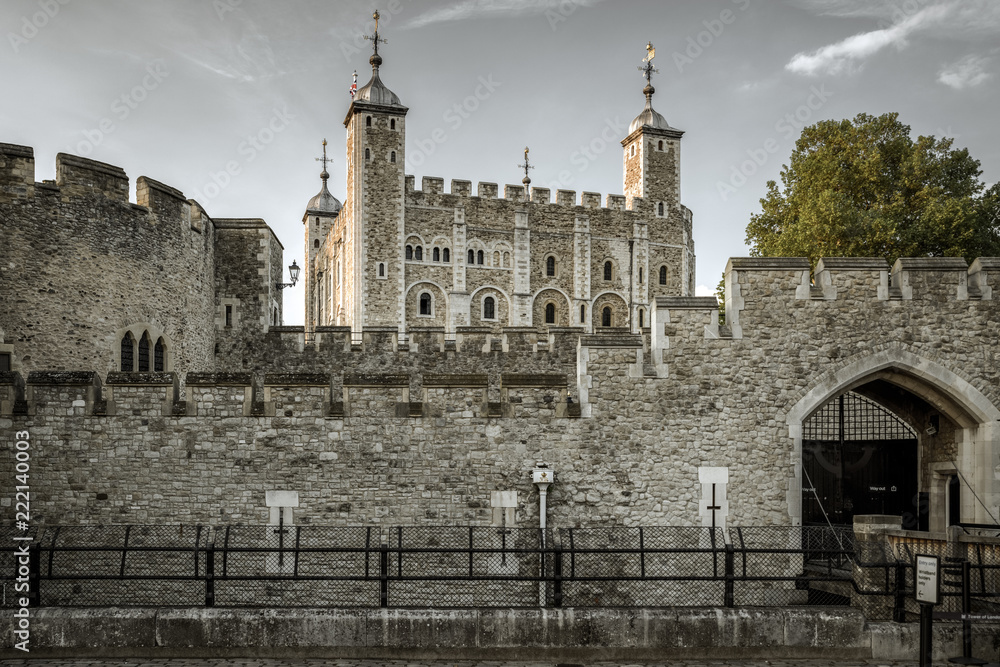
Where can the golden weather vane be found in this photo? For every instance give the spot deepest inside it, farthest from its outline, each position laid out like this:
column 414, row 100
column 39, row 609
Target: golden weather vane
column 648, row 70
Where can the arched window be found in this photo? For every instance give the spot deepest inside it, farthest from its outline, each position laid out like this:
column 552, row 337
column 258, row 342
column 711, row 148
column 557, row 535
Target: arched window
column 641, row 315
column 506, row 260
column 489, row 308
column 368, row 121
column 144, row 353
column 316, row 243
column 606, row 317
column 381, row 270
column 496, row 258
column 550, row 266
column 159, row 356
column 550, row 313
column 437, row 254
column 425, row 304
column 128, row 352
column 472, row 257
column 368, row 154
column 392, row 156
column 418, row 253
column 583, row 314
column 663, row 275
column 661, row 144
column 479, row 257
column 392, row 126
column 409, row 252
column 607, row 270
column 446, row 255
column 659, row 209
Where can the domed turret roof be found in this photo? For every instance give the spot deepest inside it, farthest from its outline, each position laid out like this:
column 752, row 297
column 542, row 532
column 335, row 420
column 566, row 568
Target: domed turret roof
column 376, row 92
column 649, row 117
column 324, row 202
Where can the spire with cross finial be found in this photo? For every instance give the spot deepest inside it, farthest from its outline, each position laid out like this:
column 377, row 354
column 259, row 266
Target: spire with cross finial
column 376, row 59
column 648, row 69
column 649, row 117
column 324, row 174
column 526, row 166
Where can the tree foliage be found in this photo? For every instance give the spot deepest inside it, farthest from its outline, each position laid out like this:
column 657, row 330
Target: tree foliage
column 864, row 188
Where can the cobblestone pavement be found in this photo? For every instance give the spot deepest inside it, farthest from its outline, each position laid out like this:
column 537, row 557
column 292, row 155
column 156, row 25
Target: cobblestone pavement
column 251, row 662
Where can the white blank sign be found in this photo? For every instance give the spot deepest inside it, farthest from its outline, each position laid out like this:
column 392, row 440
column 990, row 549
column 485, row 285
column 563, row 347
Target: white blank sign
column 928, row 579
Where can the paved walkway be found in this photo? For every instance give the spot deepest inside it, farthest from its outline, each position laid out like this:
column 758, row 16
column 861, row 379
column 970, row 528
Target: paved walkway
column 250, row 662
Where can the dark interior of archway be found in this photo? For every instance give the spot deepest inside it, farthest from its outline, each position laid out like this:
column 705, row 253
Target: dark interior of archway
column 860, row 452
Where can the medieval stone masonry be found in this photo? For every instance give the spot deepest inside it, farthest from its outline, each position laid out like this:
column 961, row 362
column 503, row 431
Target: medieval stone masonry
column 455, row 340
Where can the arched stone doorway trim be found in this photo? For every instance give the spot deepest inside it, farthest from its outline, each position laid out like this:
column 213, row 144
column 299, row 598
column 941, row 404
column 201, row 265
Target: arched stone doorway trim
column 978, row 441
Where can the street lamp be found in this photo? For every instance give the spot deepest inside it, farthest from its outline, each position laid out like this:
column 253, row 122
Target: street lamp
column 293, row 272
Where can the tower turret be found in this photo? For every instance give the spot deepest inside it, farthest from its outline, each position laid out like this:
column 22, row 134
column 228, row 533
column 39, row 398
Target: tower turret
column 320, row 217
column 373, row 270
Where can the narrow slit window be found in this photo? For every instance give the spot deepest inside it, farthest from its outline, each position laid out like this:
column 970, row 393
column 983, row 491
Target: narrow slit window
column 368, row 154
column 368, row 121
column 392, row 156
column 381, row 270
column 583, row 314
column 607, row 270
column 663, row 275
column 550, row 313
column 641, row 320
column 489, row 308
column 392, row 126
column 550, row 266
column 229, row 315
column 659, row 209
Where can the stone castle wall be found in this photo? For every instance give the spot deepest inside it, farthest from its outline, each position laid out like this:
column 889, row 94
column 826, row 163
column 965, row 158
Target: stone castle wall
column 423, row 432
column 82, row 265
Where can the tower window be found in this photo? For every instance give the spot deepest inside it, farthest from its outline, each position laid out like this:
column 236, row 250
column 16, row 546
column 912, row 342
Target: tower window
column 425, row 304
column 418, row 253
column 583, row 314
column 392, row 126
column 274, row 317
column 144, row 353
column 663, row 275
column 316, row 243
column 607, row 270
column 640, row 274
column 381, row 270
column 641, row 315
column 128, row 351
column 659, row 209
column 392, row 156
column 479, row 257
column 550, row 313
column 437, row 254
column 409, row 252
column 550, row 266
column 368, row 154
column 229, row 316
column 472, row 257
column 368, row 121
column 606, row 317
column 4, row 362
column 661, row 145
column 447, row 255
column 489, row 308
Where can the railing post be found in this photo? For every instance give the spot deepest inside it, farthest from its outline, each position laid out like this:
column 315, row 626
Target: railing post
column 34, row 574
column 557, row 578
column 210, row 574
column 899, row 606
column 384, row 576
column 730, row 597
column 966, row 609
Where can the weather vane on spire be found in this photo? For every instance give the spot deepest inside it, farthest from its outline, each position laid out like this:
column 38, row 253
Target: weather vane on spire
column 648, row 70
column 526, row 166
column 324, row 160
column 375, row 39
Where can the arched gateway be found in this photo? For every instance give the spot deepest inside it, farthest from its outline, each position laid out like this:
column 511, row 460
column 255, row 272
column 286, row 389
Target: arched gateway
column 946, row 468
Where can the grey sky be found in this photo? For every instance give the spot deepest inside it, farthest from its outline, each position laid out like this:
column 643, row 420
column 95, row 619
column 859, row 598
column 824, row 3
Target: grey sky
column 228, row 100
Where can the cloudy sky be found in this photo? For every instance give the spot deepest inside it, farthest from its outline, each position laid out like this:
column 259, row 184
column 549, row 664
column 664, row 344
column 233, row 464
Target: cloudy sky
column 228, row 100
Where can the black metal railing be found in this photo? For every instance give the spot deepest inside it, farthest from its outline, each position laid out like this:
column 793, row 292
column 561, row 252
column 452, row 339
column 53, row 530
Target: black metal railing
column 470, row 566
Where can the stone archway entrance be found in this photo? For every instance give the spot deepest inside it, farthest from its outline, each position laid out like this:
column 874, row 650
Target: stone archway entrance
column 859, row 458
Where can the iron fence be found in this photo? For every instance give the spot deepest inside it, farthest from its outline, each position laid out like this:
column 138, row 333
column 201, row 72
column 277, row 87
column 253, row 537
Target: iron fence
column 476, row 566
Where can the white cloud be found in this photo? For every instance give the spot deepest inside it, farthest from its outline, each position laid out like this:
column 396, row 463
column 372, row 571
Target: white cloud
column 846, row 55
column 468, row 9
column 702, row 290
column 968, row 72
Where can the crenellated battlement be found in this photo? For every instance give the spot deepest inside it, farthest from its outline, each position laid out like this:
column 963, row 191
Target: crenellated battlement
column 433, row 186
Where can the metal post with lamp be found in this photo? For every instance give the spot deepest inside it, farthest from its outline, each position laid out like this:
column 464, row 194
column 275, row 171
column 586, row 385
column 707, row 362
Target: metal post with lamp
column 542, row 477
column 293, row 273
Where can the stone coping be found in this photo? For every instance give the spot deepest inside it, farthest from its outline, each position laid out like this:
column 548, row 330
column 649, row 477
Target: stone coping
column 119, row 378
column 64, row 378
column 769, row 263
column 687, row 302
column 533, row 380
column 852, row 264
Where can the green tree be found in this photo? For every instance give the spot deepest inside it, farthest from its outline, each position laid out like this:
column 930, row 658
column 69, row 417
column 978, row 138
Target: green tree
column 864, row 188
